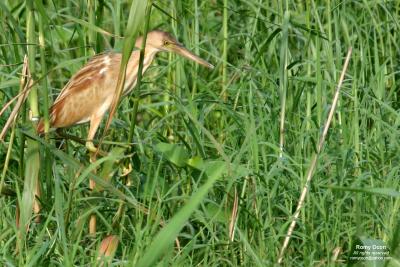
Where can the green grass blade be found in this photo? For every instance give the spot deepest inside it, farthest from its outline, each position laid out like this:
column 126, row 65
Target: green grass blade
column 30, row 184
column 167, row 235
column 135, row 21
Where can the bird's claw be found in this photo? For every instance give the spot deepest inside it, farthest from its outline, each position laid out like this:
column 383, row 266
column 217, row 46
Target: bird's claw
column 90, row 146
column 94, row 150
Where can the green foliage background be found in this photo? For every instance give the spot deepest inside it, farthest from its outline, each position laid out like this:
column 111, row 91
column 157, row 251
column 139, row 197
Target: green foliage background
column 204, row 137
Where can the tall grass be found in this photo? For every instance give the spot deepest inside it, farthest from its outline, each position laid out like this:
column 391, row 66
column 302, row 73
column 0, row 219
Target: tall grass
column 204, row 141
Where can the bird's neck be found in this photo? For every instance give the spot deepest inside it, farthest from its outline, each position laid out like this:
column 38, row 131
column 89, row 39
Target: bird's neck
column 149, row 54
column 133, row 67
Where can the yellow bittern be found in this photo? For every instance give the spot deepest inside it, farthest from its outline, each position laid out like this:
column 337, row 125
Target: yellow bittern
column 89, row 93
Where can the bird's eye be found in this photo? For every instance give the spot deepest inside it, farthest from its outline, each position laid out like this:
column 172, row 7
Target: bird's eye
column 166, row 42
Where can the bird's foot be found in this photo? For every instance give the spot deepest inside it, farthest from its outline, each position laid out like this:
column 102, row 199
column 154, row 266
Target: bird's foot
column 90, row 146
column 94, row 150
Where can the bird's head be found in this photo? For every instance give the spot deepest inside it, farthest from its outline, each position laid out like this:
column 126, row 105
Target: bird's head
column 163, row 41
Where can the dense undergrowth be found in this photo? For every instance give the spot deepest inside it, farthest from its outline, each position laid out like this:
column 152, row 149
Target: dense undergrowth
column 207, row 164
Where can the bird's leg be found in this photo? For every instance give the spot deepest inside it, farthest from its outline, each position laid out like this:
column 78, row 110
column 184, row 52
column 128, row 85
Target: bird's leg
column 94, row 125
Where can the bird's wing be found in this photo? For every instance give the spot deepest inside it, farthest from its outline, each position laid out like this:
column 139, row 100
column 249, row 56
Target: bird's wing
column 86, row 89
column 94, row 70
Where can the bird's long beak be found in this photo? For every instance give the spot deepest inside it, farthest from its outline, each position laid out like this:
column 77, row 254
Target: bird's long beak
column 183, row 51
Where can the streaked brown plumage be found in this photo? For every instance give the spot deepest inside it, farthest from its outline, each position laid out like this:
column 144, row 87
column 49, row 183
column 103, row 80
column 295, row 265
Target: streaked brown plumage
column 89, row 93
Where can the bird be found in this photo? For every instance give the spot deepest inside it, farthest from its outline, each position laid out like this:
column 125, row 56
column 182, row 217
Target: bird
column 88, row 94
